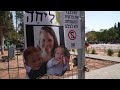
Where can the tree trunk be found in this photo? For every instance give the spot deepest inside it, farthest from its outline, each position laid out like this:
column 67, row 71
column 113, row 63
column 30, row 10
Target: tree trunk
column 2, row 41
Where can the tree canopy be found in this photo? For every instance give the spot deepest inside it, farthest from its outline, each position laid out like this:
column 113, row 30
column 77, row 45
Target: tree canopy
column 111, row 35
column 9, row 31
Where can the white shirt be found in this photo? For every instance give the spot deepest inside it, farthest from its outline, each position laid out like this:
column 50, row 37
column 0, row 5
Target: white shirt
column 55, row 68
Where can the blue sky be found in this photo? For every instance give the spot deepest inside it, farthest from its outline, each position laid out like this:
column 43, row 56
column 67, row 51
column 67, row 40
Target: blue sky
column 14, row 20
column 96, row 20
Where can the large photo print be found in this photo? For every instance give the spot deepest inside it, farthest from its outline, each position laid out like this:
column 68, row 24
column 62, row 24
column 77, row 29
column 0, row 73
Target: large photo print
column 45, row 52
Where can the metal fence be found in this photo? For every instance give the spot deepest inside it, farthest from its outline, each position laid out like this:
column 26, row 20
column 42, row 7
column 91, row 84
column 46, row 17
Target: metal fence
column 12, row 66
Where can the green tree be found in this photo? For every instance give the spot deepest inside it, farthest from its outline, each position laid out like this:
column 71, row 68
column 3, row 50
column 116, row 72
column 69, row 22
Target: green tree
column 118, row 25
column 98, row 37
column 91, row 36
column 115, row 26
column 104, row 36
column 93, row 51
column 110, row 52
column 113, row 35
column 6, row 25
column 118, row 31
column 119, row 53
column 20, row 28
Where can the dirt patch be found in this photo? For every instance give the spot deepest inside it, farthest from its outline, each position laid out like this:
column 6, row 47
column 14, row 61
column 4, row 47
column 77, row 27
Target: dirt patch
column 14, row 69
column 93, row 64
column 13, row 73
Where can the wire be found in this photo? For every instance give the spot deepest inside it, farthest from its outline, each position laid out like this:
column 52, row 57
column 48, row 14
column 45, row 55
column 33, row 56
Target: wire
column 11, row 68
column 17, row 45
column 8, row 56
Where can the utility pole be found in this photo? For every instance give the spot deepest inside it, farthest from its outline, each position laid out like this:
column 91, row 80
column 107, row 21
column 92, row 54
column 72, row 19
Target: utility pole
column 81, row 52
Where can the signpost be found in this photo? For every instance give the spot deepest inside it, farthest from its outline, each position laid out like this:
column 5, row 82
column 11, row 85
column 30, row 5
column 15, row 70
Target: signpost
column 81, row 52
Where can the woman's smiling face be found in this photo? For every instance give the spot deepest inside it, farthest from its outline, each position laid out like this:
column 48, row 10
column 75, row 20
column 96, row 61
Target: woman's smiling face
column 46, row 42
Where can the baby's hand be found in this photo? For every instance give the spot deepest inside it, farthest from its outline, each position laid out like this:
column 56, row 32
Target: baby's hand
column 61, row 62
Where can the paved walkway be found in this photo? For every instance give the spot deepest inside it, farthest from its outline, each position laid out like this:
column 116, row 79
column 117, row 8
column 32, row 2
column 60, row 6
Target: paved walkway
column 110, row 72
column 110, row 58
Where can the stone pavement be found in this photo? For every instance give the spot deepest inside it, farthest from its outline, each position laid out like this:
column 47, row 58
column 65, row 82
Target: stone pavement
column 109, row 72
column 110, row 58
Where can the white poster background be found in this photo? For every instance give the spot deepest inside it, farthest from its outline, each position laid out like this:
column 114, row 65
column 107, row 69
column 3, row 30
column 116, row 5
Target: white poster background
column 76, row 43
column 59, row 20
column 44, row 18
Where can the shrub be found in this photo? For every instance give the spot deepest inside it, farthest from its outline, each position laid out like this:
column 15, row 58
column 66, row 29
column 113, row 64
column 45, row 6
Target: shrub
column 110, row 52
column 73, row 50
column 87, row 51
column 119, row 53
column 93, row 51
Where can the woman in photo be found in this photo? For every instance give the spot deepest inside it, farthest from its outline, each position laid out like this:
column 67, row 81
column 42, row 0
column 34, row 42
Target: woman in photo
column 47, row 42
